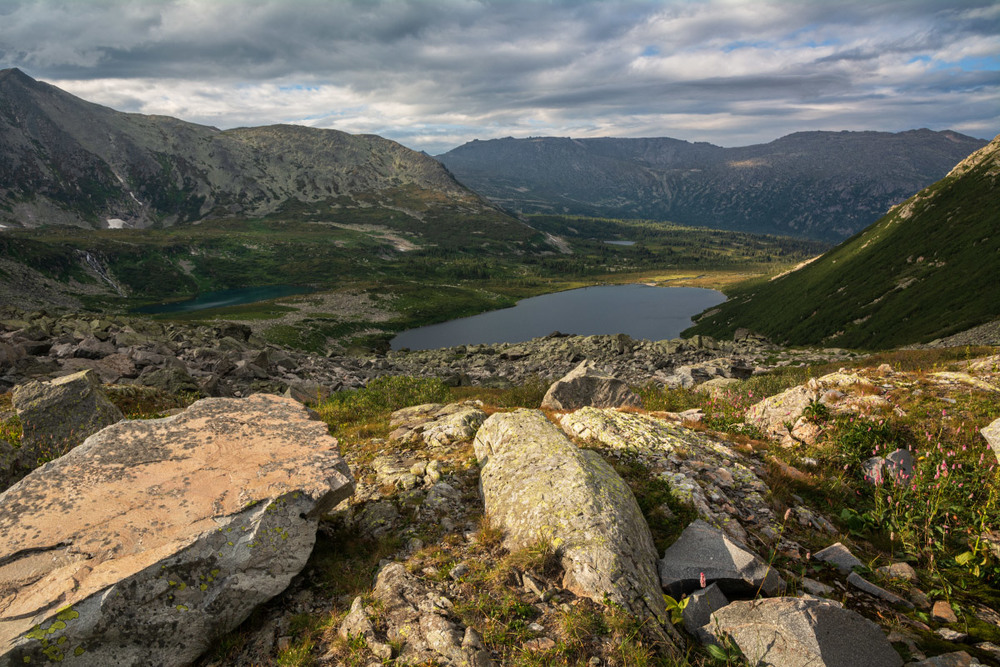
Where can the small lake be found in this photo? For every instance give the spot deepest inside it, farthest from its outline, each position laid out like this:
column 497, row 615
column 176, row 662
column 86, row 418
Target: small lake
column 223, row 298
column 641, row 311
column 620, row 242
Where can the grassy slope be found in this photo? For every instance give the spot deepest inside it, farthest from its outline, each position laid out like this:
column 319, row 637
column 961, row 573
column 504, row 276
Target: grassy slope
column 902, row 280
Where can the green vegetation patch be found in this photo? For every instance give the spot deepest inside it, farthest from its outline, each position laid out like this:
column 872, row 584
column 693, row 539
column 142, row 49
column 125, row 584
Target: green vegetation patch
column 926, row 270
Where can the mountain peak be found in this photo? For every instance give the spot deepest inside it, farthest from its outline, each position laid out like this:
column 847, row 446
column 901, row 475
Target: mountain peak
column 15, row 75
column 79, row 163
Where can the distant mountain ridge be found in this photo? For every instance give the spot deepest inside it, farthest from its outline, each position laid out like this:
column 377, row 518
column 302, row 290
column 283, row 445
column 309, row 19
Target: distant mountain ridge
column 926, row 270
column 822, row 185
column 67, row 161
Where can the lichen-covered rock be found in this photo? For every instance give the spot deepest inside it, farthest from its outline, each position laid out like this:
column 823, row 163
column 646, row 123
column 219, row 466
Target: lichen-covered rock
column 718, row 481
column 538, row 485
column 704, row 553
column 801, row 632
column 415, row 620
column 585, row 385
column 782, row 415
column 437, row 425
column 151, row 538
column 58, row 415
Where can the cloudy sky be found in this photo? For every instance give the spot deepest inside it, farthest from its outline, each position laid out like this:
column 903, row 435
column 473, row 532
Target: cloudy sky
column 433, row 74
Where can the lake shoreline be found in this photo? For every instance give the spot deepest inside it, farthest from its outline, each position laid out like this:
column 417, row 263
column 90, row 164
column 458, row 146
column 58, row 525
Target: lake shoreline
column 636, row 309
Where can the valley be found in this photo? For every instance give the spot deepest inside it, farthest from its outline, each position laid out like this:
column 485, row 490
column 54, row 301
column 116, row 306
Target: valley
column 396, row 289
column 808, row 475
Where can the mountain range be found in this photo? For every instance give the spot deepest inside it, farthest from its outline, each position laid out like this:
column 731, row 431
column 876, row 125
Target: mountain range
column 820, row 185
column 925, row 270
column 67, row 161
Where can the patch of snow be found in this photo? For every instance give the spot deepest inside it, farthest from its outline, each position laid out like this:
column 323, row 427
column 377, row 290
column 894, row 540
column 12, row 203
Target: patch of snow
column 116, row 223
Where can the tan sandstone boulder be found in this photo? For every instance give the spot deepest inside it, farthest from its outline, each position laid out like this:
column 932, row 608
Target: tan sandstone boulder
column 151, row 538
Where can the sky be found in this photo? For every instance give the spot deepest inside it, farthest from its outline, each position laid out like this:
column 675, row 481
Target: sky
column 434, row 74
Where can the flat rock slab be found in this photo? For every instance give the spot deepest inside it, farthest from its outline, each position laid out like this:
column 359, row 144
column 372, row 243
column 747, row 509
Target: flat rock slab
column 538, row 485
column 859, row 582
column 151, row 538
column 704, row 552
column 586, row 385
column 839, row 556
column 799, row 632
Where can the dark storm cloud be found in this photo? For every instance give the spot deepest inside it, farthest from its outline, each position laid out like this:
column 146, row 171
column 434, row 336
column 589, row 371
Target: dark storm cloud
column 435, row 73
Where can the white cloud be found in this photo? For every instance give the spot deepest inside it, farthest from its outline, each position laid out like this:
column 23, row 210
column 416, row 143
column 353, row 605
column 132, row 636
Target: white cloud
column 434, row 73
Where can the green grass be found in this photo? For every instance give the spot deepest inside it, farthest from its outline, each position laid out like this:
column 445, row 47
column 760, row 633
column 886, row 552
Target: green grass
column 902, row 280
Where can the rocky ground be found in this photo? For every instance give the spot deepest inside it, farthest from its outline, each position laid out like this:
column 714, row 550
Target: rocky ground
column 821, row 522
column 230, row 360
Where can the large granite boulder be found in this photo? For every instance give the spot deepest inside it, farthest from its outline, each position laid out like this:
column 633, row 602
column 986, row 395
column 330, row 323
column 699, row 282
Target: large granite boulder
column 802, row 632
column 58, row 415
column 586, row 385
column 706, row 553
column 152, row 538
column 537, row 484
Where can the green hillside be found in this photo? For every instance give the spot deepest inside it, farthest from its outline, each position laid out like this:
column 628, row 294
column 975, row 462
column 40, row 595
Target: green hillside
column 929, row 268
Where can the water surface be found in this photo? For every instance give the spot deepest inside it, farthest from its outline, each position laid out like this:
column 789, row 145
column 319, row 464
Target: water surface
column 227, row 297
column 641, row 311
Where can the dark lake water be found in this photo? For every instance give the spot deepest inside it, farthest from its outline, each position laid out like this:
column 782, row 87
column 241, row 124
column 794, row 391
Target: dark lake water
column 652, row 313
column 223, row 298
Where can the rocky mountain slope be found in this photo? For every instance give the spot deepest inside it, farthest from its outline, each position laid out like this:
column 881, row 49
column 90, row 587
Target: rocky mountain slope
column 926, row 270
column 822, row 185
column 66, row 161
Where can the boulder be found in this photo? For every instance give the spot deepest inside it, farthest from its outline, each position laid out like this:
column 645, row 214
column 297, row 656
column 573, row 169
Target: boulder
column 585, row 385
column 859, row 582
column 801, row 632
column 92, row 348
column 706, row 552
column 437, row 425
column 152, row 538
column 58, row 415
column 839, row 556
column 992, row 435
column 700, row 606
column 779, row 414
column 718, row 481
column 307, row 392
column 537, row 484
column 899, row 571
column 943, row 612
column 897, row 466
column 954, row 659
column 173, row 379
